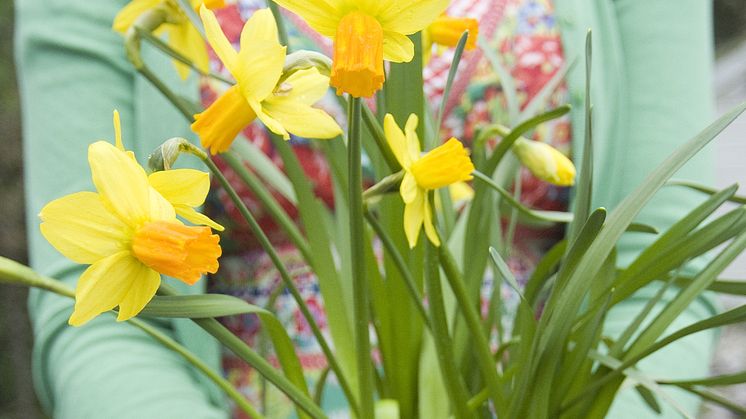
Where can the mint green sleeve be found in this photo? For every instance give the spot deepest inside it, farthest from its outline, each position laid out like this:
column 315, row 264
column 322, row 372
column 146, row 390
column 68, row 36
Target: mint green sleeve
column 73, row 74
column 651, row 92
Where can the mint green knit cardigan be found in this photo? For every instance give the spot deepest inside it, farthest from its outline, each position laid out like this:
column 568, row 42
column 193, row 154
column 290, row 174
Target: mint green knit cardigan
column 651, row 91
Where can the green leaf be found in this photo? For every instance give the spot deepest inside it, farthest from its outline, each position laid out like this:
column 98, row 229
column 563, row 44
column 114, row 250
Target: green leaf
column 704, row 189
column 449, row 80
column 649, row 398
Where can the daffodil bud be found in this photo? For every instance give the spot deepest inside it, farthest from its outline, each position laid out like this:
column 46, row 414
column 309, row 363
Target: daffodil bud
column 545, row 162
column 301, row 60
column 163, row 157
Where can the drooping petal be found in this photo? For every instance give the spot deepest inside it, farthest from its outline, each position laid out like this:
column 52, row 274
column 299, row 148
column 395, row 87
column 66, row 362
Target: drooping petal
column 121, row 182
column 408, row 189
column 322, row 15
column 104, row 284
column 414, row 216
column 305, row 86
column 217, row 39
column 258, row 69
column 197, row 218
column 397, row 141
column 129, row 13
column 271, row 123
column 397, row 48
column 181, row 186
column 302, row 120
column 260, row 28
column 144, row 282
column 185, row 39
column 409, row 16
column 428, row 223
column 82, row 229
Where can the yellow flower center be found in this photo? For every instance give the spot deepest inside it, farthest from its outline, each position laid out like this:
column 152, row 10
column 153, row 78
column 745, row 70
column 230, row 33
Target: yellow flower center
column 446, row 164
column 447, row 31
column 176, row 250
column 221, row 122
column 357, row 67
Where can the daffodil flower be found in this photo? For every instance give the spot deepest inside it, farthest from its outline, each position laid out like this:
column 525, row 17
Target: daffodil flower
column 283, row 107
column 442, row 166
column 182, row 36
column 128, row 233
column 545, row 162
column 365, row 33
column 185, row 189
column 446, row 31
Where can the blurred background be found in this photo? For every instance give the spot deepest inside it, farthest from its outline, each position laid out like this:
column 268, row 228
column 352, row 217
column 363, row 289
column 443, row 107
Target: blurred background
column 17, row 400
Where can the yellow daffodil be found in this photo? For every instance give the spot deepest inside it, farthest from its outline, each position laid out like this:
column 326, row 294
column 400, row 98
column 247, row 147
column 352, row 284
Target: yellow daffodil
column 128, row 233
column 284, row 106
column 182, row 36
column 442, row 166
column 365, row 33
column 185, row 189
column 545, row 162
column 446, row 31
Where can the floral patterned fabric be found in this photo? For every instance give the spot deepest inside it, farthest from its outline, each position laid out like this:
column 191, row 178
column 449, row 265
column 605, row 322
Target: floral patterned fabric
column 525, row 37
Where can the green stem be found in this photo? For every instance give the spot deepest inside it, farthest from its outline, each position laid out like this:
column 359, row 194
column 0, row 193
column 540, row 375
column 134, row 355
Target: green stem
column 281, row 31
column 359, row 279
column 481, row 345
column 239, row 347
column 380, row 138
column 286, row 279
column 401, row 266
column 452, row 380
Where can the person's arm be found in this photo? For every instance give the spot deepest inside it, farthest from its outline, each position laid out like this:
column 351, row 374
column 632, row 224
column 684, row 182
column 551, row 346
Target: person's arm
column 73, row 74
column 651, row 92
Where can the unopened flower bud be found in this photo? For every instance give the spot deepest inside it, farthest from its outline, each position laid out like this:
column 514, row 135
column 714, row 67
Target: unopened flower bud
column 545, row 162
column 163, row 157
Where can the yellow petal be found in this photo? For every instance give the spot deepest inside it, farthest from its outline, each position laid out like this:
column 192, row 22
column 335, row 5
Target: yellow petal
column 121, row 182
column 268, row 121
column 322, row 15
column 105, row 283
column 181, row 186
column 302, row 120
column 260, row 28
column 118, row 131
column 185, row 39
column 129, row 13
column 81, row 228
column 217, row 39
column 258, row 69
column 428, row 223
column 413, row 142
column 397, row 141
column 409, row 16
column 197, row 218
column 305, row 86
column 397, row 48
column 408, row 189
column 160, row 208
column 414, row 215
column 144, row 282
